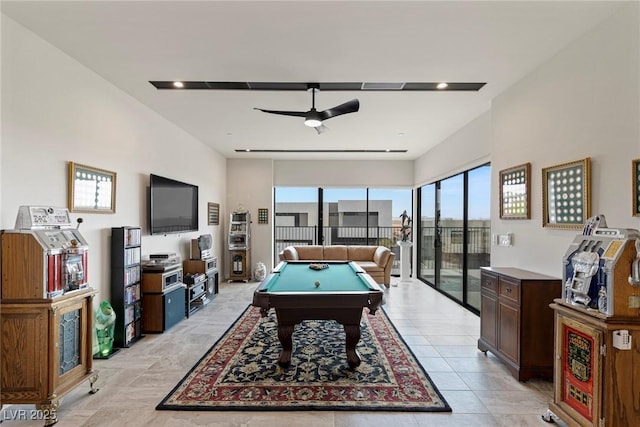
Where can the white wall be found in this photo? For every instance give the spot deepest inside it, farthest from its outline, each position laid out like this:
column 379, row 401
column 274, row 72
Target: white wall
column 583, row 103
column 467, row 148
column 54, row 110
column 343, row 173
column 250, row 185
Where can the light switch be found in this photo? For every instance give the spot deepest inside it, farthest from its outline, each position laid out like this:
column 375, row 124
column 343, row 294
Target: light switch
column 505, row 239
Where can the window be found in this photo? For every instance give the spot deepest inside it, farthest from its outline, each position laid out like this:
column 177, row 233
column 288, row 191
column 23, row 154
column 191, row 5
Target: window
column 340, row 216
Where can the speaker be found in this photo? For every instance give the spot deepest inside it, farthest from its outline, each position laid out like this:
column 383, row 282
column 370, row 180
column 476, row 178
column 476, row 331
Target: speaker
column 212, row 284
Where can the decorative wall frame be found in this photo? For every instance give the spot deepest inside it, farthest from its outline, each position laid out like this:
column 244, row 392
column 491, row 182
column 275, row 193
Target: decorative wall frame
column 515, row 192
column 213, row 213
column 566, row 195
column 635, row 177
column 263, row 216
column 91, row 190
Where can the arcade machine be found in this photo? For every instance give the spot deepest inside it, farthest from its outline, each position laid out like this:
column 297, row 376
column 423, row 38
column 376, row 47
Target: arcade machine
column 46, row 311
column 597, row 330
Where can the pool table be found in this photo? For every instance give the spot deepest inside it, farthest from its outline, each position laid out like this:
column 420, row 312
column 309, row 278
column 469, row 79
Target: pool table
column 298, row 292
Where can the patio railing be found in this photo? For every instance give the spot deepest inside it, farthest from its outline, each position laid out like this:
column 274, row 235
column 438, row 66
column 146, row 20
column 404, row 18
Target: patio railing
column 451, row 240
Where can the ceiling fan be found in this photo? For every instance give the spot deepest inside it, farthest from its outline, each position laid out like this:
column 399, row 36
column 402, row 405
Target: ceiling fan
column 314, row 118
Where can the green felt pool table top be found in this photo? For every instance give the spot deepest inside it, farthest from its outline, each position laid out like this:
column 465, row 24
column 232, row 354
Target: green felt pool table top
column 339, row 277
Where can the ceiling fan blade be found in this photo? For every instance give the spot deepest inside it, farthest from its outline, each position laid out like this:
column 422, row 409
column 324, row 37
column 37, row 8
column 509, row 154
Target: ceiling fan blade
column 348, row 107
column 284, row 113
column 321, row 129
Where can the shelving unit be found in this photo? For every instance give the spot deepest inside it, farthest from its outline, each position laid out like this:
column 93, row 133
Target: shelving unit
column 126, row 294
column 208, row 267
column 240, row 246
column 195, row 293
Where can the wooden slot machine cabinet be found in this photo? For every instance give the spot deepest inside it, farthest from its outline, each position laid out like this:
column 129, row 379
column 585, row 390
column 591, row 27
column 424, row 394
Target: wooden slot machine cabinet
column 597, row 331
column 46, row 311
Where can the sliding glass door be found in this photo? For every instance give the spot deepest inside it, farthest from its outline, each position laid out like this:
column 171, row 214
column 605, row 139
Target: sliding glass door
column 455, row 234
column 428, row 241
column 478, row 230
column 451, row 231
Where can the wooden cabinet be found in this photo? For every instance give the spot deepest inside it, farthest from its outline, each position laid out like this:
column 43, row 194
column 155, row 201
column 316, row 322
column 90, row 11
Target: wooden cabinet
column 46, row 349
column 125, row 285
column 516, row 322
column 46, row 320
column 163, row 310
column 240, row 265
column 595, row 377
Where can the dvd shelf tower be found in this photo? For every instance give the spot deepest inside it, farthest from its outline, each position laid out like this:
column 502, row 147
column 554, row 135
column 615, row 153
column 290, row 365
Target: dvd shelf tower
column 240, row 246
column 126, row 293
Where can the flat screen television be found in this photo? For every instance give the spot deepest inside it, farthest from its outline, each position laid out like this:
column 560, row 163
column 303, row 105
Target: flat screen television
column 173, row 206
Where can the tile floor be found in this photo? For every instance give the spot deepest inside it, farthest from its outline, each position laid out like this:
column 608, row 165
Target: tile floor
column 442, row 335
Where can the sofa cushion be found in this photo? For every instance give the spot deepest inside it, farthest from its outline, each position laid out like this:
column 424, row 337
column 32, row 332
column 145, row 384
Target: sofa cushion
column 290, row 253
column 336, row 252
column 361, row 253
column 381, row 256
column 370, row 267
column 311, row 252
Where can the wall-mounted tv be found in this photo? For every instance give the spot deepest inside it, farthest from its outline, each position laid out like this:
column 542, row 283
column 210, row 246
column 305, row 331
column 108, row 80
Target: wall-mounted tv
column 173, row 206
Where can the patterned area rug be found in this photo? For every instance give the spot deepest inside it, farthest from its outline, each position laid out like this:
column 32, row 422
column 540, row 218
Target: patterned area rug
column 240, row 371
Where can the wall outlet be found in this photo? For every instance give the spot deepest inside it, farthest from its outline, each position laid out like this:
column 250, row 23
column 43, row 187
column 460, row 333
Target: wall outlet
column 622, row 340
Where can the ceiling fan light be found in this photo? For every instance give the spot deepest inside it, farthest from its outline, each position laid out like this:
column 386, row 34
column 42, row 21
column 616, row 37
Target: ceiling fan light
column 313, row 119
column 312, row 122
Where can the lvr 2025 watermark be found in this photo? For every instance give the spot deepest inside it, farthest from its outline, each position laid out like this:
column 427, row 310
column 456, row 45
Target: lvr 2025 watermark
column 10, row 414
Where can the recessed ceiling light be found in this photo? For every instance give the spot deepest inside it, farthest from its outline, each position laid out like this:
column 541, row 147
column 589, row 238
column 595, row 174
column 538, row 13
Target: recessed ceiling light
column 442, row 85
column 178, row 84
column 387, row 150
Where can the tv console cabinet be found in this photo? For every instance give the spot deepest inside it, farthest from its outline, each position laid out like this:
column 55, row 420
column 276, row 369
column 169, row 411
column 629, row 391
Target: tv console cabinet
column 163, row 300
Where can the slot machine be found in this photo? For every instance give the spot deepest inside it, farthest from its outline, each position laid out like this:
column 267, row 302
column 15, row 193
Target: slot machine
column 44, row 256
column 601, row 269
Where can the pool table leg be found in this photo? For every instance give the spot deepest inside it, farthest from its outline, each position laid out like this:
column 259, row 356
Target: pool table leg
column 285, row 335
column 353, row 336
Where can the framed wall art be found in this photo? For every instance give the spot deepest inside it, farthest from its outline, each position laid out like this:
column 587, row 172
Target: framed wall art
column 635, row 176
column 515, row 192
column 263, row 216
column 566, row 195
column 91, row 190
column 213, row 213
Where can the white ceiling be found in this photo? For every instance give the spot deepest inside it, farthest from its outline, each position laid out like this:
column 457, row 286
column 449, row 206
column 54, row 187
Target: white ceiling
column 129, row 43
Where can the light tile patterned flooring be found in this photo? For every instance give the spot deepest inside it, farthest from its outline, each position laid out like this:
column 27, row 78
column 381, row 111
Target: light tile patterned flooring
column 441, row 334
